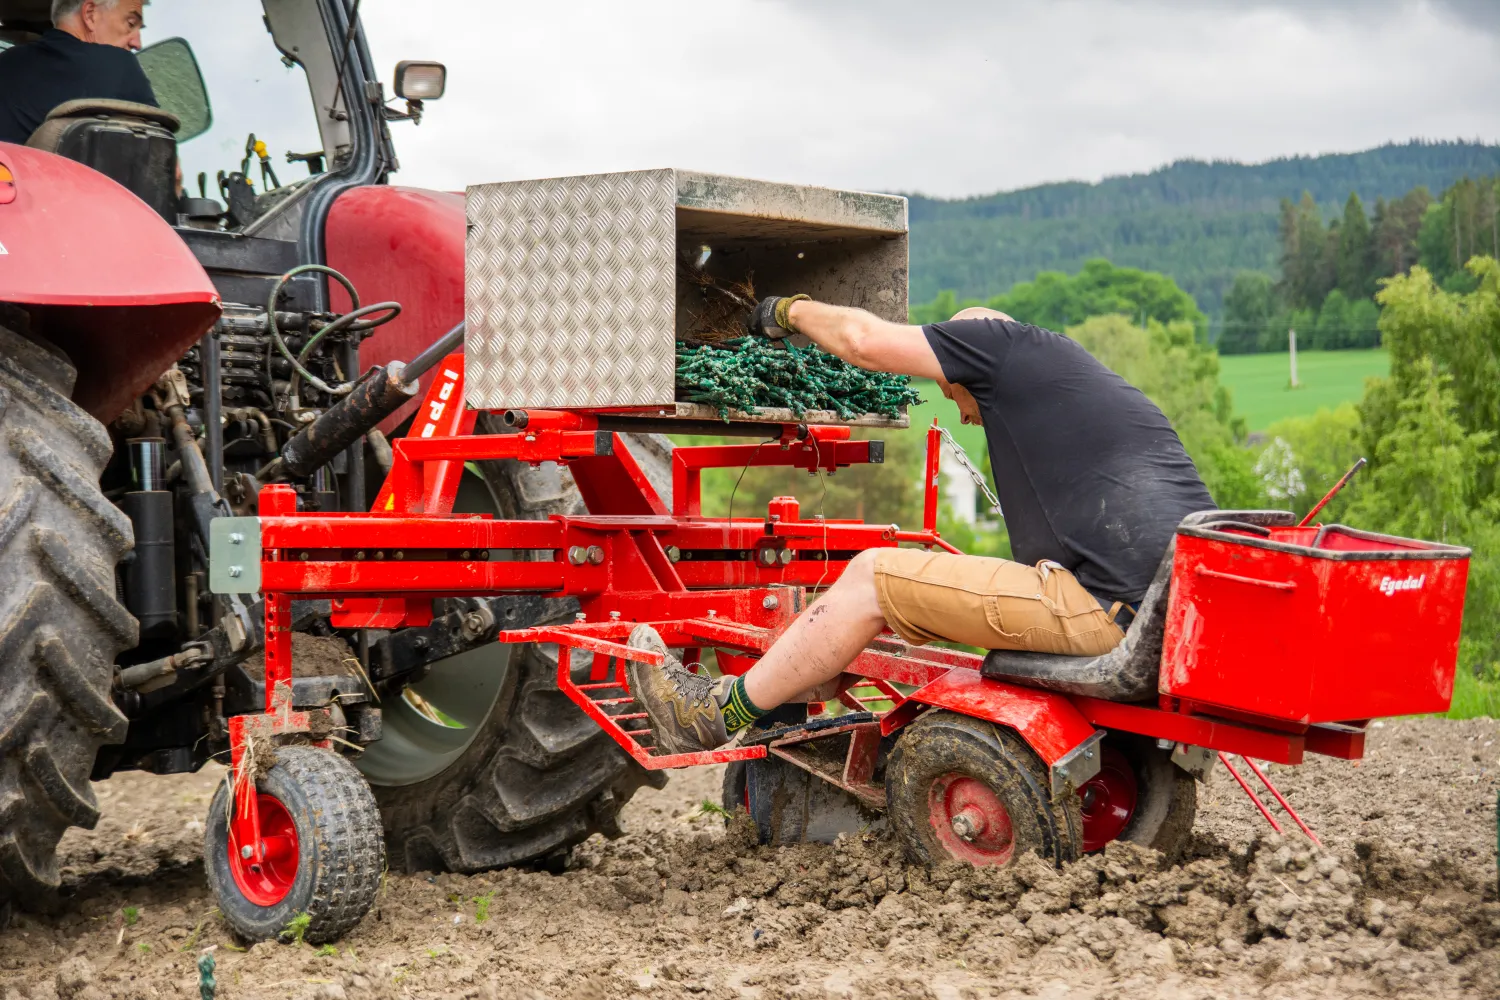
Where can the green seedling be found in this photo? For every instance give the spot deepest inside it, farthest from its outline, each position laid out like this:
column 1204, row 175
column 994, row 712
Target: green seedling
column 328, row 951
column 482, row 907
column 132, row 914
column 142, row 947
column 296, row 928
column 711, row 808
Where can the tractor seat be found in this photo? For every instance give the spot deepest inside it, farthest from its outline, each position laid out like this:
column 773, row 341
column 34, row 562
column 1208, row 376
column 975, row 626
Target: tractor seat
column 129, row 143
column 1129, row 671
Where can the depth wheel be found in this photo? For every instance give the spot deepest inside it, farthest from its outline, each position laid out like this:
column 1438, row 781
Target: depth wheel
column 324, row 853
column 960, row 789
column 1139, row 796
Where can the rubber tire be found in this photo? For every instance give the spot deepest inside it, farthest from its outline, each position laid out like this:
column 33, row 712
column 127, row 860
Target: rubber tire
column 341, row 855
column 943, row 742
column 539, row 776
column 61, row 626
column 1166, row 798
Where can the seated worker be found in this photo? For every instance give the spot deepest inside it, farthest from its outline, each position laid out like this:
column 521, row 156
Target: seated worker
column 86, row 54
column 1092, row 481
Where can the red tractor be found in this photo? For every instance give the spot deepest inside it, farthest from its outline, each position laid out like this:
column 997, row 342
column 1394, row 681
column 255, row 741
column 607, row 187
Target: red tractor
column 116, row 654
column 199, row 472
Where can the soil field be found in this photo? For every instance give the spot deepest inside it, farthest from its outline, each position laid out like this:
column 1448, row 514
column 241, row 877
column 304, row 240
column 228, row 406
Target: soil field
column 1402, row 903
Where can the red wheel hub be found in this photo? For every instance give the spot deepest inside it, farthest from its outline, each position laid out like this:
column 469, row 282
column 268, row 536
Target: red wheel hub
column 267, row 881
column 1109, row 799
column 970, row 821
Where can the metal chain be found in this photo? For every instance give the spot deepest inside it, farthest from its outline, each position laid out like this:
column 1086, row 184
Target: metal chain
column 968, row 466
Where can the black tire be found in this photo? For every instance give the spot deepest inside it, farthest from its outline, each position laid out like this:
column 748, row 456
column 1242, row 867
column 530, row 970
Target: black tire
column 61, row 626
column 791, row 806
column 340, row 853
column 1166, row 797
column 966, row 756
column 538, row 776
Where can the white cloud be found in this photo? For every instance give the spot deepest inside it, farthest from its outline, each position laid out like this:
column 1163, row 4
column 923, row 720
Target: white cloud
column 944, row 97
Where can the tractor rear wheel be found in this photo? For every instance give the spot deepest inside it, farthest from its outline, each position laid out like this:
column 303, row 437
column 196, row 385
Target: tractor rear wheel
column 484, row 762
column 61, row 626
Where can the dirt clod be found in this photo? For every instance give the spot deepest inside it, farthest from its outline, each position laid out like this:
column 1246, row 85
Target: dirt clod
column 1400, row 902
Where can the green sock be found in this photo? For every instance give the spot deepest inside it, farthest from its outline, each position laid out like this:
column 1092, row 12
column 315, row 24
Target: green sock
column 739, row 710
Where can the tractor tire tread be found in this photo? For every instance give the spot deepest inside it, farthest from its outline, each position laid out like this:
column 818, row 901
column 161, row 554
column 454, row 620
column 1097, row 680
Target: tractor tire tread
column 61, row 624
column 539, row 778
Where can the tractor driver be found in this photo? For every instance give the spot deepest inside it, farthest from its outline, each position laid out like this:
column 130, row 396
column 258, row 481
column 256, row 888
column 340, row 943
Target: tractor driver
column 1091, row 476
column 87, row 53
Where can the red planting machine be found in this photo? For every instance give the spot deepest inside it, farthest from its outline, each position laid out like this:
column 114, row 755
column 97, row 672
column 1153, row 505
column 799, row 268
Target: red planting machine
column 1260, row 637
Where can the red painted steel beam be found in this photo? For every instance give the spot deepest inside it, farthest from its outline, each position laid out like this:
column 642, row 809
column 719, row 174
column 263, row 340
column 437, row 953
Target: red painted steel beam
column 1215, row 734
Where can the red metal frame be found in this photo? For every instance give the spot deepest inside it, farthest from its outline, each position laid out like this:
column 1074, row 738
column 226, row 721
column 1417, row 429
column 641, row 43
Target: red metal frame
column 729, row 585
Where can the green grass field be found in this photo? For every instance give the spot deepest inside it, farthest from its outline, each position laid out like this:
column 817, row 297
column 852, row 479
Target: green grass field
column 1328, row 378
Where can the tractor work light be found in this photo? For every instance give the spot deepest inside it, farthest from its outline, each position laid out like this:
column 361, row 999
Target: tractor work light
column 420, row 81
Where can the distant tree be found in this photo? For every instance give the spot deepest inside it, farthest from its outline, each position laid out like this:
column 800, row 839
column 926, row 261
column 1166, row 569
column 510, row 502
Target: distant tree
column 1308, row 259
column 1248, row 312
column 1056, row 300
column 1331, row 331
column 1356, row 258
column 1394, row 233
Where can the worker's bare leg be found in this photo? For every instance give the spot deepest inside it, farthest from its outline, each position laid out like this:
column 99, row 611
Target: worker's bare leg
column 823, row 641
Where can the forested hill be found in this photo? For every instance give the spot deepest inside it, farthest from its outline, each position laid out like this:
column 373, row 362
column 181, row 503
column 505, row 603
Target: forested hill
column 1198, row 222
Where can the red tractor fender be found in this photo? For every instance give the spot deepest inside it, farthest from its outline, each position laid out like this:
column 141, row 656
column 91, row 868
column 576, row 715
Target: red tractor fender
column 407, row 245
column 1049, row 722
column 104, row 277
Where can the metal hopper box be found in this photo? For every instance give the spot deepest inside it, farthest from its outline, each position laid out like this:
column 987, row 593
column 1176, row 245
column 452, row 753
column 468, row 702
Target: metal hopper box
column 574, row 295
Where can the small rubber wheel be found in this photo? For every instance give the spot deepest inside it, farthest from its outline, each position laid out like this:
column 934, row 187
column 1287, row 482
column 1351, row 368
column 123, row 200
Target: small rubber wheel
column 1139, row 796
column 324, row 850
column 961, row 789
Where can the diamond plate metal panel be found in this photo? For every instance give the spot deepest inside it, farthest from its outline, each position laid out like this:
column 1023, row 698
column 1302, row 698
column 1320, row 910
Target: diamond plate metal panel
column 569, row 291
column 573, row 297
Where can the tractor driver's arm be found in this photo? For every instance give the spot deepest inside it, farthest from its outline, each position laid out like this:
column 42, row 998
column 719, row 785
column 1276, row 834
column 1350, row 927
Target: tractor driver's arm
column 859, row 337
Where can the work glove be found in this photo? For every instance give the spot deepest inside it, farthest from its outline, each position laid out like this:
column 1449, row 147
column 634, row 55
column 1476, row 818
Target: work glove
column 769, row 319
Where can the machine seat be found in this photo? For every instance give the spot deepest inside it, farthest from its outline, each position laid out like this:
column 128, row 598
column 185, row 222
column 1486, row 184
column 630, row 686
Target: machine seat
column 1129, row 671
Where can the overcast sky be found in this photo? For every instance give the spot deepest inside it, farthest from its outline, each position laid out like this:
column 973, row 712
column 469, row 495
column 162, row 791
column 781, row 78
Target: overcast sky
column 944, row 97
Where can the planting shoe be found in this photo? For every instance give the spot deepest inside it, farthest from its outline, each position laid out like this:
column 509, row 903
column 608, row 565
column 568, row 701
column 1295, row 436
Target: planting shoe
column 685, row 715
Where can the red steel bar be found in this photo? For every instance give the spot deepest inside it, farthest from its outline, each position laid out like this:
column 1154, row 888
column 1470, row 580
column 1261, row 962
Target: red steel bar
column 1282, row 799
column 1248, row 791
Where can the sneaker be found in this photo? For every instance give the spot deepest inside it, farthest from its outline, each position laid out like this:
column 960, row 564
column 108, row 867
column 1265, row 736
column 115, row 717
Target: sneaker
column 685, row 715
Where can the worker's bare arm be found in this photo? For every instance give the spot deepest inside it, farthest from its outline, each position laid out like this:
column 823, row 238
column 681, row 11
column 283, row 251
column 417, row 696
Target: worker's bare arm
column 865, row 340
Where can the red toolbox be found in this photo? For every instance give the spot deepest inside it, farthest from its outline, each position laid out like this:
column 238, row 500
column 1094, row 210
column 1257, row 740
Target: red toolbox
column 1315, row 624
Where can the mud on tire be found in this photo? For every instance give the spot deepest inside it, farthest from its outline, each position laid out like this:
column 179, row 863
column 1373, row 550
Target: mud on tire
column 948, row 768
column 538, row 776
column 1166, row 800
column 61, row 626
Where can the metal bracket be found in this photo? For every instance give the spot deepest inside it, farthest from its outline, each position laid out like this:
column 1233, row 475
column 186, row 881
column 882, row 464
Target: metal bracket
column 1197, row 761
column 1077, row 766
column 234, row 555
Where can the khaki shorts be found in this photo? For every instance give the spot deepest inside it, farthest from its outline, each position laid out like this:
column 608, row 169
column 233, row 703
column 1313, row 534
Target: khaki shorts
column 990, row 603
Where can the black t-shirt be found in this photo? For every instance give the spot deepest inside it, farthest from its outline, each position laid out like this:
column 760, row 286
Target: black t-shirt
column 1089, row 472
column 57, row 68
